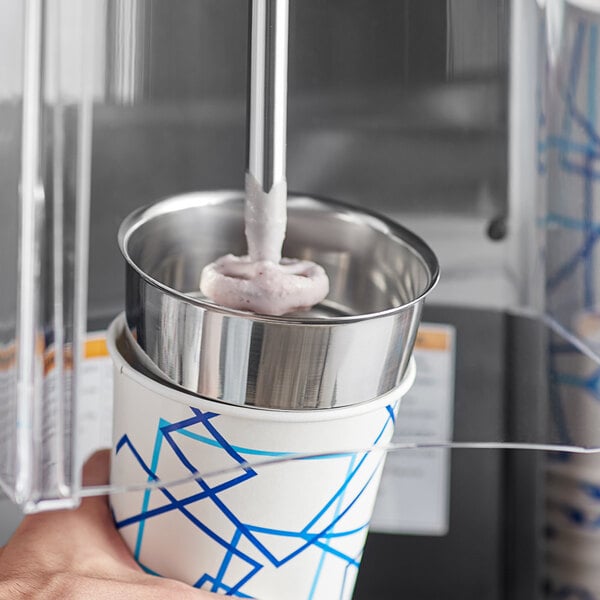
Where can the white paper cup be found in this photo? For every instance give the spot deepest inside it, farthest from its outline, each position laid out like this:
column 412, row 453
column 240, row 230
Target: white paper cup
column 293, row 530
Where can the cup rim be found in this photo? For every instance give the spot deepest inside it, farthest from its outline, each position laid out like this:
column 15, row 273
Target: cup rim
column 116, row 328
column 140, row 216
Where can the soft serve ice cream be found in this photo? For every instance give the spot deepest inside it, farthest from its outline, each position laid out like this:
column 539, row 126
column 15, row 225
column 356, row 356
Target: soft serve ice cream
column 263, row 281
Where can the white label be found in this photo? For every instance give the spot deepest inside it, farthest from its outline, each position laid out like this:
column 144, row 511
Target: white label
column 96, row 399
column 414, row 496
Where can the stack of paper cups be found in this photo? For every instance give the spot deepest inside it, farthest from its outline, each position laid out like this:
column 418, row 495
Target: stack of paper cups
column 573, row 481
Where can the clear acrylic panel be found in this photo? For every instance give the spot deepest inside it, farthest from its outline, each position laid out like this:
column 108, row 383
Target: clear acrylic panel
column 483, row 144
column 46, row 165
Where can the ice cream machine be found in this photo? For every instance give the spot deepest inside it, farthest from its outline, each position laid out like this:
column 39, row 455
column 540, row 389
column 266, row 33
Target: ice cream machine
column 473, row 124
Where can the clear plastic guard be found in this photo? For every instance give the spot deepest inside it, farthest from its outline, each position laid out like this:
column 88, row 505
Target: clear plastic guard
column 80, row 71
column 46, row 145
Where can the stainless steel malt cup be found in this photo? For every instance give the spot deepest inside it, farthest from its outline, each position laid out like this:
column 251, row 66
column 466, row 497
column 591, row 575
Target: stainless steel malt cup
column 353, row 347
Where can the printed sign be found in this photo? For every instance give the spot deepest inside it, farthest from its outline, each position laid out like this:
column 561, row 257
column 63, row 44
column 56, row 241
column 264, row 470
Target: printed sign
column 414, row 496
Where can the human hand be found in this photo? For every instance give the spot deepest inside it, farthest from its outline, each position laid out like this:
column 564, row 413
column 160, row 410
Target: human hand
column 78, row 554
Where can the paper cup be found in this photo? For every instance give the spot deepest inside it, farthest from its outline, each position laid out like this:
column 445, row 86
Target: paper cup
column 570, row 580
column 573, row 518
column 292, row 530
column 570, row 546
column 582, row 468
column 579, row 378
column 572, row 490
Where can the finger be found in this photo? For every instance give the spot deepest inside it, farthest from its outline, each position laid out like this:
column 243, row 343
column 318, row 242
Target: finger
column 95, row 472
column 96, row 469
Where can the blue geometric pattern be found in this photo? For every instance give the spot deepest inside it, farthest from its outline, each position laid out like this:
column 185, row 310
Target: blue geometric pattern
column 252, row 544
column 568, row 161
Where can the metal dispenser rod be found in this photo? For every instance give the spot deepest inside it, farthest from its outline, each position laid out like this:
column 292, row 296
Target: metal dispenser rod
column 266, row 187
column 267, row 98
